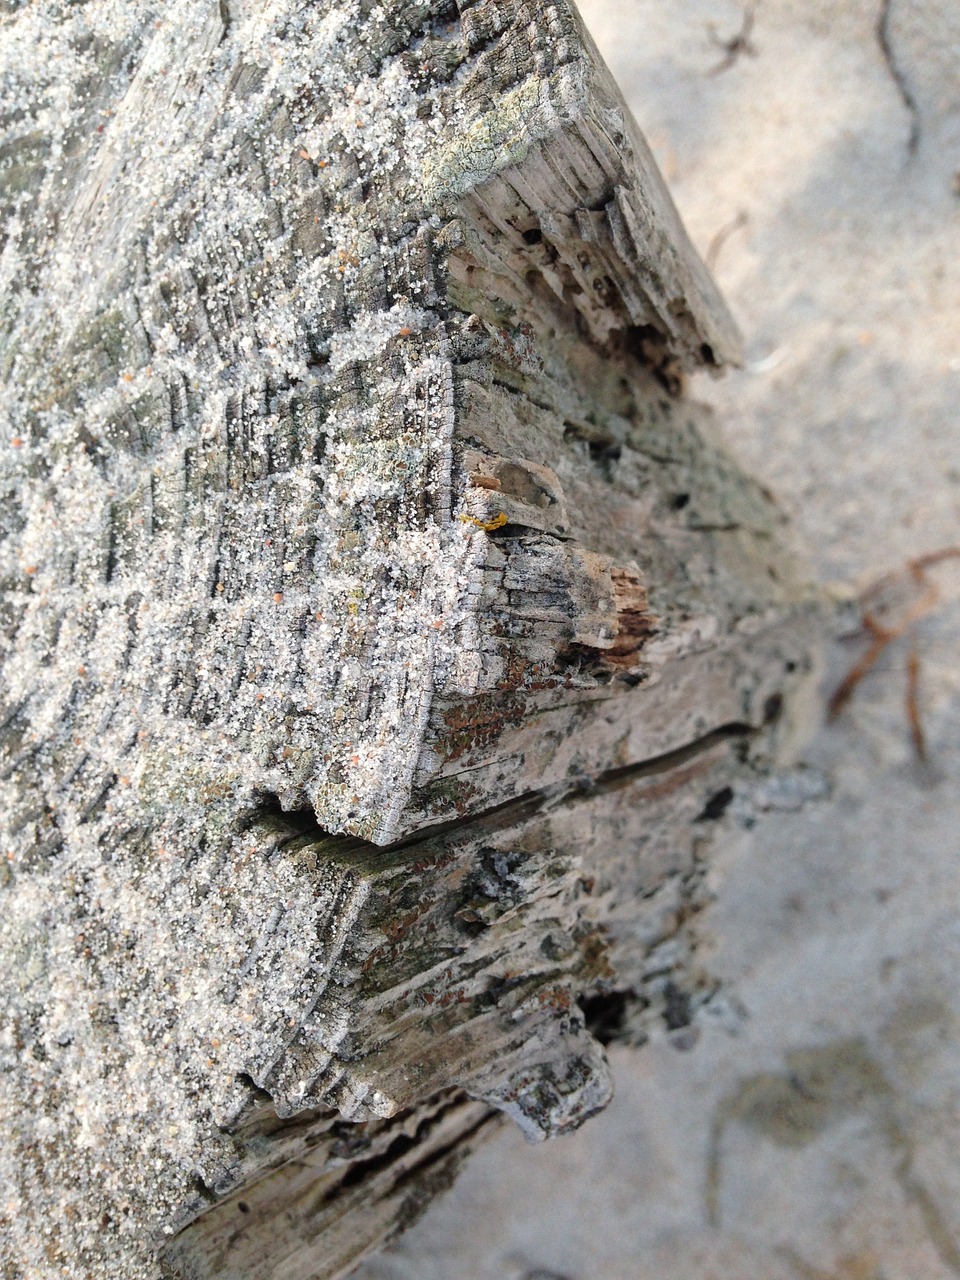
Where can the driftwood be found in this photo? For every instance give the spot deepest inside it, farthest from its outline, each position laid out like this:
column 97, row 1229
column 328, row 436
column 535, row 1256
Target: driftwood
column 383, row 625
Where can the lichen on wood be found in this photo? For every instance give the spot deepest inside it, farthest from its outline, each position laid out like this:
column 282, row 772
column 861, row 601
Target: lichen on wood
column 380, row 617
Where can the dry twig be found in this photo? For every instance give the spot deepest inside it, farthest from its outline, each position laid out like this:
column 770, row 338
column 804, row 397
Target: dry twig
column 881, row 637
column 735, row 46
column 722, row 236
column 913, row 706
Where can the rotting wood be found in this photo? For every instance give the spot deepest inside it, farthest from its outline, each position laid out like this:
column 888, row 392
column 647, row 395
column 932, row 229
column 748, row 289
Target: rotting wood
column 384, row 626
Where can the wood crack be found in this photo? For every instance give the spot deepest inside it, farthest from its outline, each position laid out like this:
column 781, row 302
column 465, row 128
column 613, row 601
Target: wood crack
column 303, row 822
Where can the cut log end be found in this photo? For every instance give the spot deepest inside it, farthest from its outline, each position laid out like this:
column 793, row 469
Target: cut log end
column 384, row 630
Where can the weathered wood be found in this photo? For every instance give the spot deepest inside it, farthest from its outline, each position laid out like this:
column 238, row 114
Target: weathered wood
column 383, row 624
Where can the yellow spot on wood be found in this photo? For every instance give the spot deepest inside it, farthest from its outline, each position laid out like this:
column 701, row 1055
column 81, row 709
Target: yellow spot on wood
column 487, row 526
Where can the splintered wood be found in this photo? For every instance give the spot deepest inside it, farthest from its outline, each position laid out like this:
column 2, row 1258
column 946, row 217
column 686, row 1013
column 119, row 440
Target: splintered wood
column 382, row 625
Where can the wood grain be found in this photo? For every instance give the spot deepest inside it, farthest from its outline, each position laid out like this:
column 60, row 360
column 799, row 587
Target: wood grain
column 383, row 624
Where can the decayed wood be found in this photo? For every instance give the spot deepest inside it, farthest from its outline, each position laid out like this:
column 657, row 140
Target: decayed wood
column 383, row 625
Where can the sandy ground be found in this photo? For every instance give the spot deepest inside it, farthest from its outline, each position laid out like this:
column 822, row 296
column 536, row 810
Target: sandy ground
column 814, row 1132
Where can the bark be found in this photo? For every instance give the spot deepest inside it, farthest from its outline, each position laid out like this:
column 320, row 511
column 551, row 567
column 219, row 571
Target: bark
column 383, row 624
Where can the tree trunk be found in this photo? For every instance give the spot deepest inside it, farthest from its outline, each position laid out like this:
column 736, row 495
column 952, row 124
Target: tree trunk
column 383, row 624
